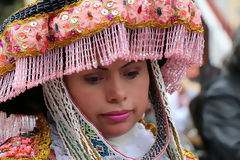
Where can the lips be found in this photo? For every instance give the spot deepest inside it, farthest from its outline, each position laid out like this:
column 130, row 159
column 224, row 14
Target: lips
column 118, row 116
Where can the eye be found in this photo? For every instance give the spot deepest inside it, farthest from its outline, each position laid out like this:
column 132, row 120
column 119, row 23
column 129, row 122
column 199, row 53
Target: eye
column 93, row 79
column 131, row 74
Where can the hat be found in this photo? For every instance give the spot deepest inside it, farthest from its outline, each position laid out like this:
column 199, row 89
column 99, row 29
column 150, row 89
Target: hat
column 46, row 40
column 33, row 39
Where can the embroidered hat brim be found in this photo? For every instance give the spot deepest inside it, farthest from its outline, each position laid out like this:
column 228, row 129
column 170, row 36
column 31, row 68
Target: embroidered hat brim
column 47, row 40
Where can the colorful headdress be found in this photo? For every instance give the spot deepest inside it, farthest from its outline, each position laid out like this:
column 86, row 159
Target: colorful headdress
column 44, row 41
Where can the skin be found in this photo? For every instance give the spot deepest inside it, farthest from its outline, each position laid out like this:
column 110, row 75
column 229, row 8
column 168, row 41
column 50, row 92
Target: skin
column 120, row 86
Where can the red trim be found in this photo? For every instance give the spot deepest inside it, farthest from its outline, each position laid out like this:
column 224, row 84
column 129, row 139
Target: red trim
column 220, row 18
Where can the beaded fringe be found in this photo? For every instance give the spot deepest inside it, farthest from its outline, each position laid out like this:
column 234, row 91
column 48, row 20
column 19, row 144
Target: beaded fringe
column 14, row 125
column 181, row 47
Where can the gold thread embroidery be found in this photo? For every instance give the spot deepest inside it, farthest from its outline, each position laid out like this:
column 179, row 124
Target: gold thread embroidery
column 189, row 154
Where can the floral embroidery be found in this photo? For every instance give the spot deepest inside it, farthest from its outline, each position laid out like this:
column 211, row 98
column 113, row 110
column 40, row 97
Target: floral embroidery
column 31, row 145
column 196, row 14
column 12, row 60
column 137, row 11
column 3, row 59
column 34, row 36
column 161, row 12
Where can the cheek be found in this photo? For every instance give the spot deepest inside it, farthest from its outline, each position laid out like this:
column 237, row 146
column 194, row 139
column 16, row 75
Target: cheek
column 84, row 97
column 140, row 92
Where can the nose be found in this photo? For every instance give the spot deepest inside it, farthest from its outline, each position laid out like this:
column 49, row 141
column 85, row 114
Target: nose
column 116, row 92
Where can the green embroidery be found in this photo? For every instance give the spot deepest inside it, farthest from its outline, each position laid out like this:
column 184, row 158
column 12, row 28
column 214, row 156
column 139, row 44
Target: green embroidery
column 71, row 145
column 89, row 130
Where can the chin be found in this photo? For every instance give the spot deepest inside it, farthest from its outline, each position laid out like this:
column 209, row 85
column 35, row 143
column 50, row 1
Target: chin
column 115, row 130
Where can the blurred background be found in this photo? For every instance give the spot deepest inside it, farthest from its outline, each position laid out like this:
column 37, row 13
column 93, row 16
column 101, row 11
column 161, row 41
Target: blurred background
column 221, row 19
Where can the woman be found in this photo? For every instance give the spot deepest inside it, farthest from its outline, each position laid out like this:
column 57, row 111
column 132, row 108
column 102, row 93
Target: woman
column 99, row 66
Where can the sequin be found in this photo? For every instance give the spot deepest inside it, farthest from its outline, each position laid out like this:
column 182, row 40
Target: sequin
column 96, row 5
column 86, row 4
column 33, row 24
column 130, row 1
column 78, row 10
column 104, row 12
column 12, row 60
column 74, row 19
column 110, row 17
column 159, row 11
column 24, row 45
column 56, row 28
column 139, row 9
column 64, row 17
column 26, row 29
column 21, row 35
column 114, row 12
column 124, row 3
column 180, row 5
column 110, row 4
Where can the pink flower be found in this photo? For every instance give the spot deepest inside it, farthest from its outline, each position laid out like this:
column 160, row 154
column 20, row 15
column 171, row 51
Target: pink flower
column 182, row 5
column 185, row 14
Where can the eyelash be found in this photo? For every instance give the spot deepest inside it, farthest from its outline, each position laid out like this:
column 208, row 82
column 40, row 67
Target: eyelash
column 94, row 79
column 131, row 74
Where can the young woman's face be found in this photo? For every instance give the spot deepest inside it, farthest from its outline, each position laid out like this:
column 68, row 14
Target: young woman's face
column 112, row 97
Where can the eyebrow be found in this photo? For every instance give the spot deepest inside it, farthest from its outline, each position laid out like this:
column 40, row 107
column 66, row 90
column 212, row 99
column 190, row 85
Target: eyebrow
column 124, row 66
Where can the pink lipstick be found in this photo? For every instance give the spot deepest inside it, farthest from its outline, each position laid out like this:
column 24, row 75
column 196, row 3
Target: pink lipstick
column 118, row 116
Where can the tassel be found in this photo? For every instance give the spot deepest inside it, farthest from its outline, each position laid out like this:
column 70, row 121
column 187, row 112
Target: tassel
column 15, row 125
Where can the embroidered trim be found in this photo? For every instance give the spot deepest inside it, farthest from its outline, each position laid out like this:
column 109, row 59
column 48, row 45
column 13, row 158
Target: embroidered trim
column 189, row 154
column 19, row 10
column 58, row 32
column 41, row 141
column 176, row 139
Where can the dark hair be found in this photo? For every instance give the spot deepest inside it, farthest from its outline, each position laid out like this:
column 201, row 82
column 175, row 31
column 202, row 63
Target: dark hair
column 31, row 102
column 232, row 62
